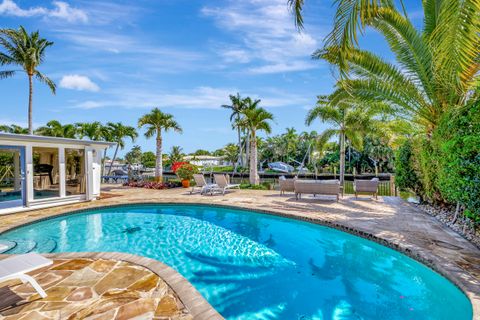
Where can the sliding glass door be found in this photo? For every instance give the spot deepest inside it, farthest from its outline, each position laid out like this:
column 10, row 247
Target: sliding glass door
column 12, row 176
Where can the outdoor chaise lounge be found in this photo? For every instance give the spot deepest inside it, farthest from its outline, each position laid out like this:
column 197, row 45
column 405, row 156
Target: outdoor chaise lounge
column 286, row 185
column 366, row 186
column 326, row 187
column 222, row 184
column 202, row 184
column 17, row 267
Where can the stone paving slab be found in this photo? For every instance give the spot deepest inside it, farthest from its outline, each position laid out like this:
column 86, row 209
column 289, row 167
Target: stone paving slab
column 388, row 220
column 92, row 288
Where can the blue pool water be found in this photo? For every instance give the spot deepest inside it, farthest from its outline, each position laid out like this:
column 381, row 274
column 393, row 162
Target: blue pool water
column 255, row 266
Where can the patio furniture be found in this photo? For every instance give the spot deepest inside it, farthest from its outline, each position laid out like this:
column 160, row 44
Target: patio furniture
column 366, row 186
column 17, row 267
column 325, row 187
column 286, row 185
column 222, row 183
column 201, row 183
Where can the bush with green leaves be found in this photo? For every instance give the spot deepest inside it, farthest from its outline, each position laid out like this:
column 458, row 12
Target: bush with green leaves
column 186, row 171
column 457, row 140
column 405, row 176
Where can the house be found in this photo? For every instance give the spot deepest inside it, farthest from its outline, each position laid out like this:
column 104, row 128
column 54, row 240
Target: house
column 206, row 161
column 38, row 171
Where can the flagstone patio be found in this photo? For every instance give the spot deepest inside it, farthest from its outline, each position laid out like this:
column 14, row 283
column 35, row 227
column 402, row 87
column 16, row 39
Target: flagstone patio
column 388, row 220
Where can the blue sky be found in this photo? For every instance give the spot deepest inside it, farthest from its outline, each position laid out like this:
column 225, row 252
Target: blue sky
column 115, row 60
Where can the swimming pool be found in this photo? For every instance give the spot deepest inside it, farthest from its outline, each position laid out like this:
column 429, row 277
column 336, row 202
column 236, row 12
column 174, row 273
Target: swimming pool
column 255, row 266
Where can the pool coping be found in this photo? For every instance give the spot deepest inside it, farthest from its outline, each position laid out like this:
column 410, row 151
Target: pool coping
column 454, row 274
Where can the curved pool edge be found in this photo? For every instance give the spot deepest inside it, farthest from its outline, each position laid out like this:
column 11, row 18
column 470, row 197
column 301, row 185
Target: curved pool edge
column 466, row 282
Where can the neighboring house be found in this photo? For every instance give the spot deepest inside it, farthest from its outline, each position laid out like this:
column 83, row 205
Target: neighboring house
column 38, row 171
column 207, row 161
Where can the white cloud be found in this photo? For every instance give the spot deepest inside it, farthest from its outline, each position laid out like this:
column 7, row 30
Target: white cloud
column 266, row 34
column 60, row 10
column 203, row 97
column 78, row 82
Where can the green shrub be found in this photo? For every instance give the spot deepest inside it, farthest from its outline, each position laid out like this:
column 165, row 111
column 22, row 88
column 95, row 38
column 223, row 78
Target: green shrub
column 186, row 171
column 405, row 176
column 426, row 166
column 457, row 139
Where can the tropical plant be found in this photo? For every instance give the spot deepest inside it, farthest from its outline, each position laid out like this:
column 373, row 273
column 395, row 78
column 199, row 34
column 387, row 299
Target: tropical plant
column 27, row 51
column 351, row 120
column 238, row 104
column 91, row 130
column 156, row 121
column 54, row 128
column 148, row 159
column 117, row 132
column 13, row 128
column 436, row 68
column 457, row 140
column 201, row 152
column 186, row 171
column 134, row 156
column 254, row 119
column 405, row 175
column 231, row 152
column 176, row 154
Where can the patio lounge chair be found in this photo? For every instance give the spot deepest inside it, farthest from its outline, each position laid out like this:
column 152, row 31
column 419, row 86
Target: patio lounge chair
column 326, row 187
column 222, row 184
column 17, row 267
column 201, row 183
column 286, row 185
column 366, row 186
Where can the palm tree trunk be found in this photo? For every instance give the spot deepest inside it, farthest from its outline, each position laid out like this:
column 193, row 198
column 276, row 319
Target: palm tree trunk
column 254, row 179
column 342, row 157
column 240, row 142
column 30, row 106
column 247, row 145
column 113, row 159
column 159, row 160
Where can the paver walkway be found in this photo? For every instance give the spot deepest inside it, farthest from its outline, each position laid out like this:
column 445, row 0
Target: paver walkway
column 388, row 220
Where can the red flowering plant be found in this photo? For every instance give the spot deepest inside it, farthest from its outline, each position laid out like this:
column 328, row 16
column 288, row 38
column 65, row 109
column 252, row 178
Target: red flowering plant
column 186, row 171
column 177, row 165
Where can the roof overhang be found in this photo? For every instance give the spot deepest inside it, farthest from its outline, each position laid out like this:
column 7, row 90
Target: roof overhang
column 35, row 138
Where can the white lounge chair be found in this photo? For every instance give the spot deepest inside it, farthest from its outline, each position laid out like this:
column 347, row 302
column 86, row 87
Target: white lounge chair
column 222, row 184
column 16, row 268
column 201, row 183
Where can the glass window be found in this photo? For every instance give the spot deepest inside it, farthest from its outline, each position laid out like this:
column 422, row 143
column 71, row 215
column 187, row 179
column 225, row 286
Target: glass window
column 10, row 175
column 45, row 173
column 75, row 171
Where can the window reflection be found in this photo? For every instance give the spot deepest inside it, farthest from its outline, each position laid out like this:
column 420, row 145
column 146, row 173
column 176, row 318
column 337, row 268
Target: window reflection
column 45, row 173
column 75, row 171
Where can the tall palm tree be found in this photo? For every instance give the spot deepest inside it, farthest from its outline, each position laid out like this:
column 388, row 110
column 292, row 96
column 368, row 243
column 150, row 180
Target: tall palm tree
column 13, row 129
column 254, row 119
column 176, row 154
column 156, row 121
column 91, row 130
column 27, row 51
column 118, row 133
column 238, row 104
column 54, row 128
column 350, row 121
column 436, row 68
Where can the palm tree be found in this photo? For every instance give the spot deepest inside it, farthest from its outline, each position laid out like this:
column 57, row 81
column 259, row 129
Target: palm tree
column 118, row 133
column 176, row 154
column 436, row 68
column 13, row 129
column 91, row 130
column 27, row 51
column 254, row 119
column 156, row 121
column 54, row 128
column 238, row 104
column 349, row 119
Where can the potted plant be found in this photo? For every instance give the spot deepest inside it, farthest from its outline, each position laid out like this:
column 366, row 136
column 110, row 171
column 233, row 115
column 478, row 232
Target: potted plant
column 185, row 172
